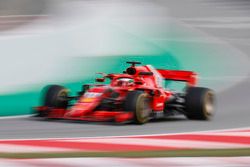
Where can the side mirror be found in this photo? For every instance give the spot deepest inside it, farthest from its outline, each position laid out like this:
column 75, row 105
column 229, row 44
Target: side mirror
column 100, row 79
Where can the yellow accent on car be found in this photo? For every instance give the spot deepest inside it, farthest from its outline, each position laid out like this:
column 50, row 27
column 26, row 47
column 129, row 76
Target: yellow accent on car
column 87, row 100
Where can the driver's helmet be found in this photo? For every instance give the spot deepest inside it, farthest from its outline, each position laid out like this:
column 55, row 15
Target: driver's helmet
column 124, row 82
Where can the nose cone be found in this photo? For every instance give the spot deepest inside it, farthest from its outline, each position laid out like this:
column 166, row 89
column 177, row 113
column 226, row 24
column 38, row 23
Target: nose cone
column 74, row 113
column 81, row 109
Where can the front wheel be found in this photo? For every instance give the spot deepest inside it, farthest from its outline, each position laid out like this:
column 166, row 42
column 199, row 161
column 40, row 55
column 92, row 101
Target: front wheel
column 199, row 103
column 139, row 103
column 55, row 96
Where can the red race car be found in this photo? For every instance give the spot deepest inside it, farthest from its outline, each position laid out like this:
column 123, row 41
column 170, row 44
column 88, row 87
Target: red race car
column 138, row 95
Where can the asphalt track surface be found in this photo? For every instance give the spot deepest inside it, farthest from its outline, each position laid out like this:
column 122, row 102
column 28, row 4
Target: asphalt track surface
column 232, row 104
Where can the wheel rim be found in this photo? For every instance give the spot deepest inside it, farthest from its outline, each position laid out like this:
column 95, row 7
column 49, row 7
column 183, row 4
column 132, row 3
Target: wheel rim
column 62, row 98
column 143, row 109
column 63, row 94
column 209, row 104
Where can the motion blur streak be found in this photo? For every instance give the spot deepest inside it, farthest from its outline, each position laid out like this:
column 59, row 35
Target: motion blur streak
column 210, row 37
column 67, row 41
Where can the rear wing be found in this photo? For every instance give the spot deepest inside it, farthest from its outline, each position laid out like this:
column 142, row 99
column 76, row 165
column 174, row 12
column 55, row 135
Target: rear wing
column 177, row 75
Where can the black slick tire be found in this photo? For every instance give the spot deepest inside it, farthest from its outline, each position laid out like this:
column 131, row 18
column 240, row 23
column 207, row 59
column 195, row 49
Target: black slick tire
column 55, row 96
column 199, row 103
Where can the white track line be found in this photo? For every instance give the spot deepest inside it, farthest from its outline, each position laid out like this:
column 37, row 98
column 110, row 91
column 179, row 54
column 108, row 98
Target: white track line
column 136, row 162
column 16, row 117
column 12, row 148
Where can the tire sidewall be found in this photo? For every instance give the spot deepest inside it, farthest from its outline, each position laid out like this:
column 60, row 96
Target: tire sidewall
column 135, row 102
column 53, row 96
column 142, row 114
column 197, row 99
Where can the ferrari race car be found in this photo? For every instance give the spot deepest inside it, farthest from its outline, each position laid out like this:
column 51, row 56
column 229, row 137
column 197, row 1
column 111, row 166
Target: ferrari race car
column 138, row 95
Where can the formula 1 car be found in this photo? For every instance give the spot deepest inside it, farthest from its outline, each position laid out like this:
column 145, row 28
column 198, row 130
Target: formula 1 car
column 137, row 95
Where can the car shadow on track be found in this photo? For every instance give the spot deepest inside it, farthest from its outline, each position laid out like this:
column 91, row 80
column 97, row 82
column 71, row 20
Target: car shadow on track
column 110, row 123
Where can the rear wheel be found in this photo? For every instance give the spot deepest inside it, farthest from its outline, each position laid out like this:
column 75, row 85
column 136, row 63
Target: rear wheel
column 199, row 103
column 139, row 103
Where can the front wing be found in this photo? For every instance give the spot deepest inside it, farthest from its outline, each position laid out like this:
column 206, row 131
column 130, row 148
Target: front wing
column 99, row 116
